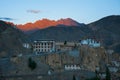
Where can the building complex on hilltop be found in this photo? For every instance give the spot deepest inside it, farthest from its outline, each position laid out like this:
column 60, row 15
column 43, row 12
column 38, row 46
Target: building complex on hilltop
column 90, row 42
column 40, row 46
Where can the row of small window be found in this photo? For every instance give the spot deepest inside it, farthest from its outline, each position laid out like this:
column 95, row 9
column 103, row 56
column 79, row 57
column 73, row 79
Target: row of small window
column 42, row 47
column 43, row 44
column 42, row 50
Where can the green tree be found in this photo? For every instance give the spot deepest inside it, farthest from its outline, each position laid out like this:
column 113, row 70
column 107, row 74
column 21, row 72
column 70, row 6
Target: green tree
column 96, row 75
column 75, row 46
column 74, row 77
column 65, row 42
column 31, row 64
column 108, row 76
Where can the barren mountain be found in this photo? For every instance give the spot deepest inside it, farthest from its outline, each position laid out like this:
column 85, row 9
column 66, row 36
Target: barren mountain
column 62, row 33
column 11, row 39
column 44, row 23
column 107, row 30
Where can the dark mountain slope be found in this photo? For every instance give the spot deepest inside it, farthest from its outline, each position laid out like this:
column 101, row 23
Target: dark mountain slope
column 11, row 40
column 62, row 33
column 110, row 23
column 107, row 30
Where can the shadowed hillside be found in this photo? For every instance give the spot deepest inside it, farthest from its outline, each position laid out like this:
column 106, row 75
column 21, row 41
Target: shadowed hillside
column 62, row 33
column 107, row 30
column 11, row 40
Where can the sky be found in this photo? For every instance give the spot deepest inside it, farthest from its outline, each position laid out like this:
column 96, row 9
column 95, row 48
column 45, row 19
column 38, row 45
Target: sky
column 83, row 11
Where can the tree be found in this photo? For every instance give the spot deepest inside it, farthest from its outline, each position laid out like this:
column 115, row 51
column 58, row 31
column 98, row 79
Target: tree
column 65, row 42
column 74, row 77
column 31, row 64
column 75, row 46
column 96, row 75
column 108, row 76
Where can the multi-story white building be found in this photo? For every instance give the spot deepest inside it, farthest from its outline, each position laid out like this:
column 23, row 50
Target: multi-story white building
column 26, row 45
column 40, row 46
column 90, row 42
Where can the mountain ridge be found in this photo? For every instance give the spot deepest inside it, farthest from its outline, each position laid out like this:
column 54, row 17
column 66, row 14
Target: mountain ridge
column 106, row 29
column 44, row 23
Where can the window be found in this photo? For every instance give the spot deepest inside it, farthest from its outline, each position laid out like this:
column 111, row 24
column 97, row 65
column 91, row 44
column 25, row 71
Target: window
column 45, row 50
column 45, row 43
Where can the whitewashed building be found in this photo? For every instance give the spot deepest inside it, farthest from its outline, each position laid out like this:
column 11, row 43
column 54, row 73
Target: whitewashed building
column 41, row 46
column 26, row 45
column 72, row 67
column 90, row 42
column 102, row 75
column 113, row 69
column 116, row 63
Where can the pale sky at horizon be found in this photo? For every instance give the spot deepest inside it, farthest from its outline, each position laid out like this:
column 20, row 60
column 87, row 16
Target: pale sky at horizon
column 83, row 11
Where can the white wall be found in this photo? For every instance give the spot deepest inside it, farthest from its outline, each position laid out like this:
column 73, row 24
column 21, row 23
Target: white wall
column 90, row 42
column 72, row 67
